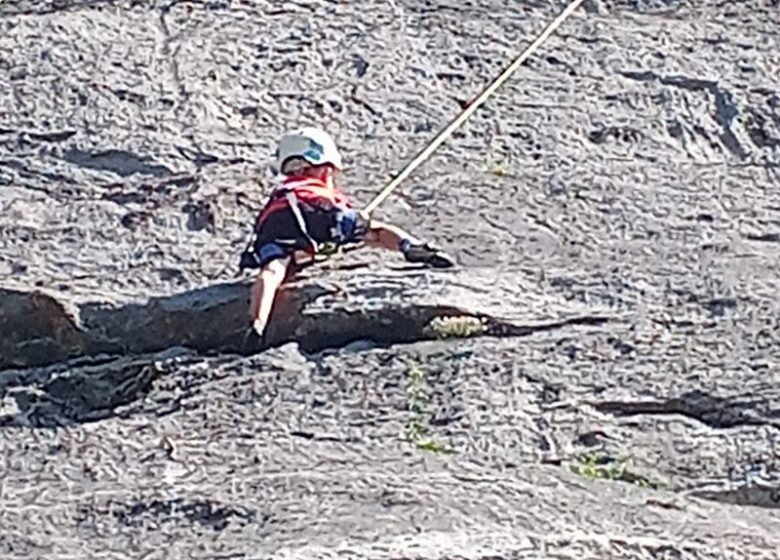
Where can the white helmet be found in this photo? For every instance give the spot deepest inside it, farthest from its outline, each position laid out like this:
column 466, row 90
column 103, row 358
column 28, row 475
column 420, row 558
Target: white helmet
column 309, row 143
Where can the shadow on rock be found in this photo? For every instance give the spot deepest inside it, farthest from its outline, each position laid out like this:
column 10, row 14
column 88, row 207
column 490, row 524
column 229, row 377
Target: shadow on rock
column 36, row 329
column 120, row 162
column 72, row 394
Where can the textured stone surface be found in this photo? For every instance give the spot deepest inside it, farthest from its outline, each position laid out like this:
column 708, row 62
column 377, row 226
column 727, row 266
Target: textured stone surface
column 626, row 180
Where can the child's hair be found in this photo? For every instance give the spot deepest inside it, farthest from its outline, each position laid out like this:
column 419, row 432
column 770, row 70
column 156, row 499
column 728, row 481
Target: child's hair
column 299, row 166
column 295, row 166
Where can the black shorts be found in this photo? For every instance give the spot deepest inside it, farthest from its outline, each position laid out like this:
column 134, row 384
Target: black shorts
column 280, row 235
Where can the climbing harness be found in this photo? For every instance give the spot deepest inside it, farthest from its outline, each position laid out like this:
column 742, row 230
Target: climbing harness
column 468, row 111
column 285, row 196
column 292, row 201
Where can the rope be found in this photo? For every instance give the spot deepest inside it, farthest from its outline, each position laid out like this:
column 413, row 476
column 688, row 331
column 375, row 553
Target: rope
column 469, row 110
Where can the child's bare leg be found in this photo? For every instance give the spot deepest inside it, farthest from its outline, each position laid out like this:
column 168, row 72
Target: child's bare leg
column 387, row 236
column 264, row 291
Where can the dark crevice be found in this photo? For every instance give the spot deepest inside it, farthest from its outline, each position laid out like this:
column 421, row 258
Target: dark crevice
column 54, row 136
column 764, row 237
column 207, row 513
column 62, row 396
column 41, row 7
column 38, row 330
column 624, row 134
column 99, row 359
column 759, row 495
column 716, row 412
column 406, row 325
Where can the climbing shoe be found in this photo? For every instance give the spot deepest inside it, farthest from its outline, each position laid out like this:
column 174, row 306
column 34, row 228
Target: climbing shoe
column 252, row 341
column 427, row 253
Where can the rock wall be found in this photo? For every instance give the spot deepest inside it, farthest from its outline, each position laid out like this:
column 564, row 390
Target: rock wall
column 597, row 379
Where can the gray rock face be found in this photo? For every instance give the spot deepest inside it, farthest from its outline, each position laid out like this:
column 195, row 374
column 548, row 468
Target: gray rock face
column 597, row 379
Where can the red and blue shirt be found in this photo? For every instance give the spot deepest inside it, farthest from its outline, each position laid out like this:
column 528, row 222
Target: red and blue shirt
column 308, row 190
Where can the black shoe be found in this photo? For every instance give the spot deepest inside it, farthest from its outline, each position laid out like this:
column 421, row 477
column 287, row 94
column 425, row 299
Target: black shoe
column 429, row 254
column 252, row 341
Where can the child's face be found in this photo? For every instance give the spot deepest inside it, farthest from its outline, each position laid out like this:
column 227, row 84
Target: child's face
column 327, row 173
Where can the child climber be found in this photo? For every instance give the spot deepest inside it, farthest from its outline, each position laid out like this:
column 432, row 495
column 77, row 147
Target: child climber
column 308, row 210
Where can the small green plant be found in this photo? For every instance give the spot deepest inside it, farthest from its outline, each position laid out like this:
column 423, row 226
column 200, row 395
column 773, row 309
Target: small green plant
column 499, row 168
column 604, row 467
column 459, row 326
column 594, row 467
column 416, row 429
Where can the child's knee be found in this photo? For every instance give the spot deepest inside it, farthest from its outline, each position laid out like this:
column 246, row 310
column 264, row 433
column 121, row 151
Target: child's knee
column 275, row 269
